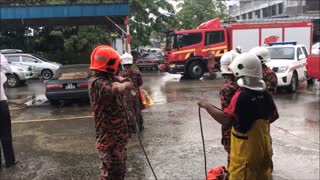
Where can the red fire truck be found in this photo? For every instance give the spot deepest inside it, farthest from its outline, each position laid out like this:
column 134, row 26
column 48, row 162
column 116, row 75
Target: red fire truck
column 187, row 50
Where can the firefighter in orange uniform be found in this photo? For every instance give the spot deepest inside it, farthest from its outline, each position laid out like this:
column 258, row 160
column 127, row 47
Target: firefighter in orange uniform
column 269, row 77
column 111, row 124
column 211, row 63
column 132, row 99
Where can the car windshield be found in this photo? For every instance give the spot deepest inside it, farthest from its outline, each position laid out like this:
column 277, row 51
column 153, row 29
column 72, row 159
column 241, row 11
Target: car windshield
column 78, row 71
column 282, row 53
column 149, row 56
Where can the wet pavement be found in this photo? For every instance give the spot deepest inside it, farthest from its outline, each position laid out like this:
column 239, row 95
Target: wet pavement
column 58, row 143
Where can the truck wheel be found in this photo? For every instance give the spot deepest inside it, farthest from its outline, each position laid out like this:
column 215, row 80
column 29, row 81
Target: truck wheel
column 311, row 81
column 12, row 81
column 195, row 70
column 292, row 88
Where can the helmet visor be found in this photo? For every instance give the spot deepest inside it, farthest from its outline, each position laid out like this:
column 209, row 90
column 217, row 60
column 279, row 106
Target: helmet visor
column 253, row 83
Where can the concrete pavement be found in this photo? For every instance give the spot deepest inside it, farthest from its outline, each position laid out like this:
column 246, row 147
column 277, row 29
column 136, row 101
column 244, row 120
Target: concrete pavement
column 58, row 143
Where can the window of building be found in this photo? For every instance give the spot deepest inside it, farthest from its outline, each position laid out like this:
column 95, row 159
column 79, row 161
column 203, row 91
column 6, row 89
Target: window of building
column 214, row 37
column 265, row 12
column 280, row 8
column 273, row 10
column 13, row 59
column 244, row 16
column 257, row 13
column 250, row 15
column 189, row 39
column 312, row 5
column 238, row 17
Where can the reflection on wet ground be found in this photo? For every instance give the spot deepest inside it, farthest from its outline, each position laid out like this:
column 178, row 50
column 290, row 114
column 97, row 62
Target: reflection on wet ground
column 61, row 144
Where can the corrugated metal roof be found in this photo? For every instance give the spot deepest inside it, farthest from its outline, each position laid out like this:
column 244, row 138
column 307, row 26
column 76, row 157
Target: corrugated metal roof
column 63, row 11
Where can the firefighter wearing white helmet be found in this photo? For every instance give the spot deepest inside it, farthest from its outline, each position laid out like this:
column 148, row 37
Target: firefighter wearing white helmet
column 247, row 68
column 262, row 53
column 132, row 100
column 269, row 77
column 226, row 93
column 126, row 58
column 226, row 60
column 253, row 110
column 250, row 112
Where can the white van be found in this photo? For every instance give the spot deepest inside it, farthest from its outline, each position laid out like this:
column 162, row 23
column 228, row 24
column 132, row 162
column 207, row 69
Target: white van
column 288, row 62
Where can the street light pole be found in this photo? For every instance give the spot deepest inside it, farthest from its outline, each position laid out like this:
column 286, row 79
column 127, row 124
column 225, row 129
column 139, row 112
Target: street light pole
column 128, row 34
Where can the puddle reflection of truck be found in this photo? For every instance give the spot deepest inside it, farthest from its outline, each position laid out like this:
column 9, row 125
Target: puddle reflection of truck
column 187, row 50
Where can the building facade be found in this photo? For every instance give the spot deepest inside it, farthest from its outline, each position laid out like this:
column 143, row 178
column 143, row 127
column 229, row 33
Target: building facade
column 256, row 9
column 246, row 10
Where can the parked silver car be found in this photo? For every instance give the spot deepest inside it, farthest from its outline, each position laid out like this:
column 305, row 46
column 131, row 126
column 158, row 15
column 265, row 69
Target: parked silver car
column 20, row 74
column 41, row 67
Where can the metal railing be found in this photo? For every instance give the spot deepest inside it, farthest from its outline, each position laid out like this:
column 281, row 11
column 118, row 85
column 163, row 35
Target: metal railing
column 280, row 19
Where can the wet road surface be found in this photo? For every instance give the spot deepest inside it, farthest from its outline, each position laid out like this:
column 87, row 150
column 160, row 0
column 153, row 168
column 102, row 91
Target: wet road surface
column 59, row 143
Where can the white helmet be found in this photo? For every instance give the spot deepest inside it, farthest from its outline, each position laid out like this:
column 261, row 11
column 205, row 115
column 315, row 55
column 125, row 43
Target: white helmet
column 126, row 58
column 226, row 60
column 262, row 53
column 246, row 64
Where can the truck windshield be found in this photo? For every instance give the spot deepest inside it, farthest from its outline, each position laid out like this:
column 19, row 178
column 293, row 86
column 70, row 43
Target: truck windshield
column 170, row 43
column 282, row 53
column 175, row 41
column 189, row 39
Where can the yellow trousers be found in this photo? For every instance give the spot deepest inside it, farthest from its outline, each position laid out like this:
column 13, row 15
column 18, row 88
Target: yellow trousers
column 250, row 156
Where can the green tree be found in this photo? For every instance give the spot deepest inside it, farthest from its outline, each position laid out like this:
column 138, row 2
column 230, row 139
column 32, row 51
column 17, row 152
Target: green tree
column 148, row 16
column 194, row 12
column 73, row 44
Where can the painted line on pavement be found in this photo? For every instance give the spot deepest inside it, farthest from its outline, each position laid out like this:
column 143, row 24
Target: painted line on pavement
column 46, row 120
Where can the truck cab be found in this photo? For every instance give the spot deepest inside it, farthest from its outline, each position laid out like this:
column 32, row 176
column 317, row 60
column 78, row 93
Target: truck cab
column 288, row 61
column 187, row 51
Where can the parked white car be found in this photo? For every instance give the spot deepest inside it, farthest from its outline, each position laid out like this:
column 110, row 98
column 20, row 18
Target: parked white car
column 41, row 67
column 20, row 74
column 288, row 62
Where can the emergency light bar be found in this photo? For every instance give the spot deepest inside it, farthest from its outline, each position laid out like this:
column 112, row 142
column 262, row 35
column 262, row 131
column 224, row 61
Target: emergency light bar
column 282, row 43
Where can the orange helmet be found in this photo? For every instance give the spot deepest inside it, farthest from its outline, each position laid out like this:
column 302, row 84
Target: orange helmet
column 104, row 58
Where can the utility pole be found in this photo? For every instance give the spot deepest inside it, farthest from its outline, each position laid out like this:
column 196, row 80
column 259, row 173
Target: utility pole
column 128, row 34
